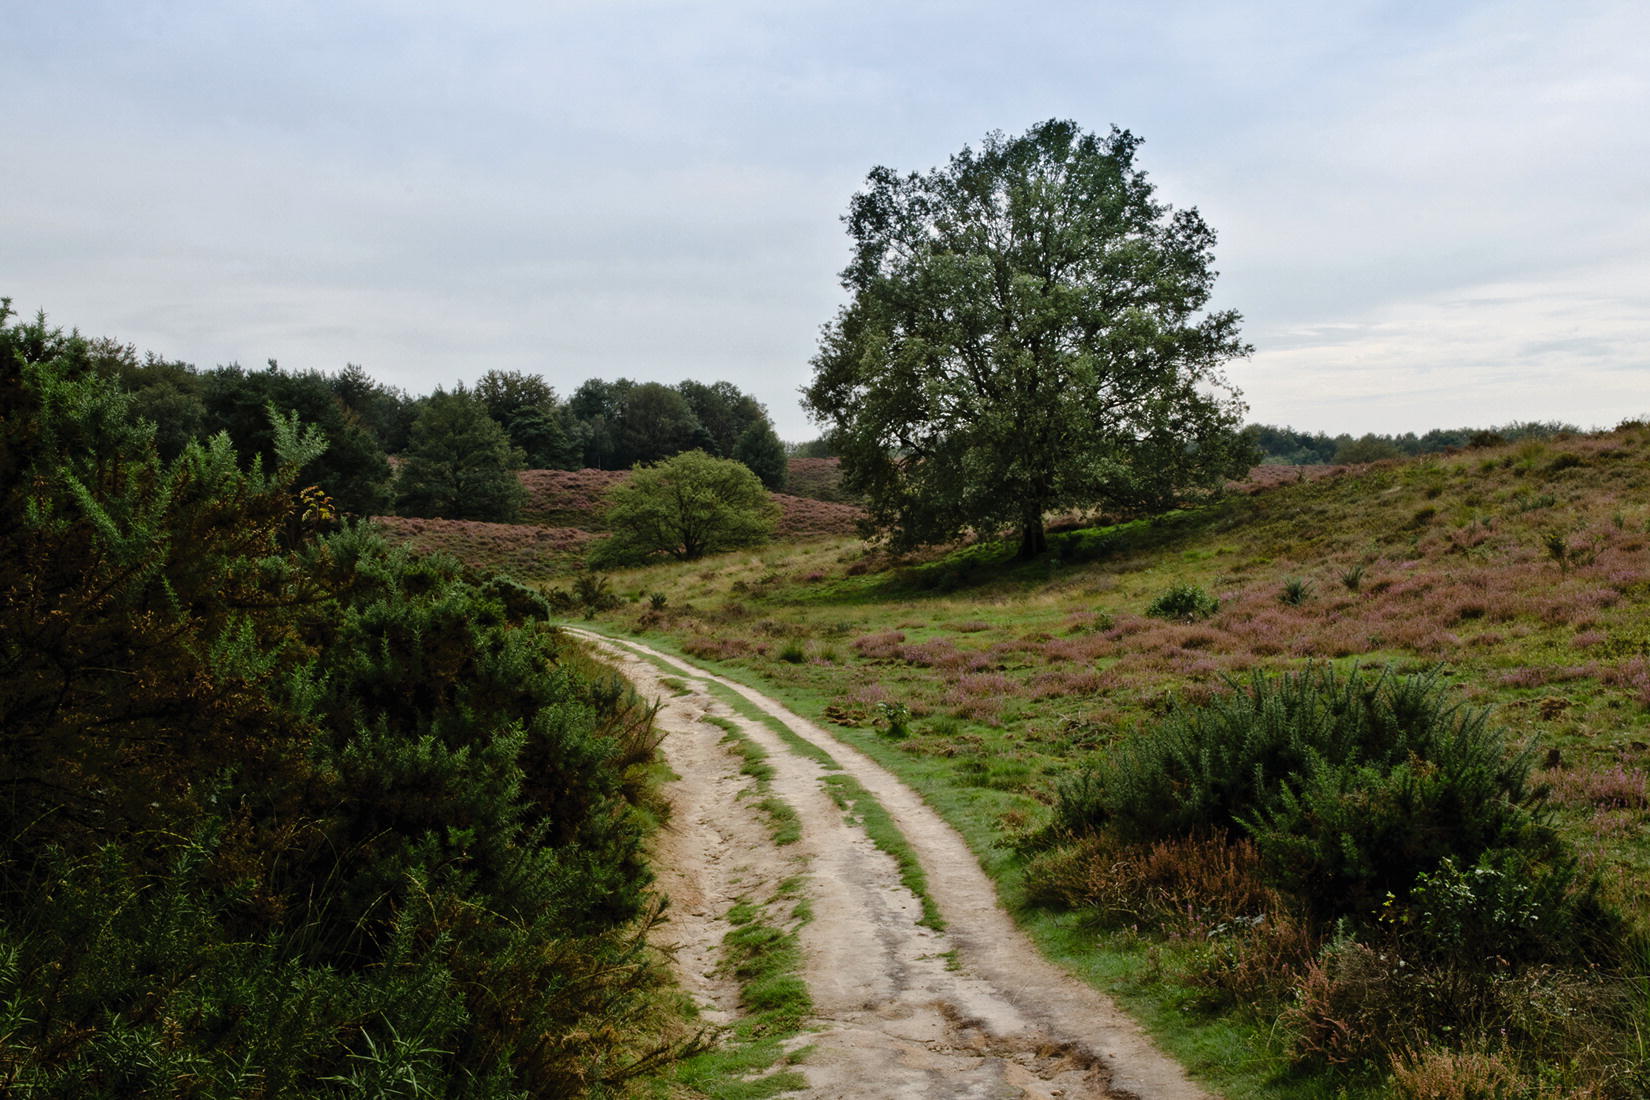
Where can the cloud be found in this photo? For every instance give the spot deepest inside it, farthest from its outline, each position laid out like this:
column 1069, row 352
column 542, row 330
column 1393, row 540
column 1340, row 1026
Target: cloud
column 1574, row 346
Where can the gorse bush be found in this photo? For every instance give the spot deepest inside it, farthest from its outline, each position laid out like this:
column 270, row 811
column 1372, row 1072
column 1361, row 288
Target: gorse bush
column 290, row 812
column 1350, row 785
column 1369, row 859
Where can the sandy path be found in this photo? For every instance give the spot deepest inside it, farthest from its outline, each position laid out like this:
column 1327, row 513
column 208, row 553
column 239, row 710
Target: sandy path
column 901, row 1010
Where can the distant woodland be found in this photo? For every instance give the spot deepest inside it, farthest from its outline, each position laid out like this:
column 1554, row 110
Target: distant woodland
column 455, row 450
column 459, row 446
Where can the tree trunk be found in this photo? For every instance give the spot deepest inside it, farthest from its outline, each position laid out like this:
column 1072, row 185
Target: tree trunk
column 1033, row 539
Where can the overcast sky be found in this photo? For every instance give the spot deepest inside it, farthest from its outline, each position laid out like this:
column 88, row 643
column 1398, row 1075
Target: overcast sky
column 1430, row 214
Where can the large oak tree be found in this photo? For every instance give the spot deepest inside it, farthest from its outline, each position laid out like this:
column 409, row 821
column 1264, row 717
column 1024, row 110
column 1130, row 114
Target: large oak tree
column 1026, row 332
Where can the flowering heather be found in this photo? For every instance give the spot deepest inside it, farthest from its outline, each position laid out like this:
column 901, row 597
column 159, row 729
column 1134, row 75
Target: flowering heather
column 804, row 518
column 716, row 648
column 985, row 684
column 816, row 478
column 1078, row 650
column 1049, row 685
column 523, row 550
column 569, row 498
column 1634, row 675
column 884, row 646
column 1617, row 787
column 1262, row 478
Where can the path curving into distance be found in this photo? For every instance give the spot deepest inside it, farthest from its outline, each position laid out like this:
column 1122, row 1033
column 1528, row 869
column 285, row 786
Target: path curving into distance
column 900, row 1010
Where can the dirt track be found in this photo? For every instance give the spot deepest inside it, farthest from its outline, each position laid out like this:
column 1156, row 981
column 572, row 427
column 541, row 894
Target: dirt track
column 900, row 1010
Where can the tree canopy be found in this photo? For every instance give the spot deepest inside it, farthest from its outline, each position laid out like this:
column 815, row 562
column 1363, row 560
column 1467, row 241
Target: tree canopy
column 686, row 506
column 460, row 464
column 1026, row 332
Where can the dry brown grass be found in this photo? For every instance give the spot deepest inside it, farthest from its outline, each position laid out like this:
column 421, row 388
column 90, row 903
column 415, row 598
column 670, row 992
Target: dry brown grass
column 1435, row 1074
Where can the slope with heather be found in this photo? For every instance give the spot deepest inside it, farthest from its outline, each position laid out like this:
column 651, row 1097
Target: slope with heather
column 563, row 515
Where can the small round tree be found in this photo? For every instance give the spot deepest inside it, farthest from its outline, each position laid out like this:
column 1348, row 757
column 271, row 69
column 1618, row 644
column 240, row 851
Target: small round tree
column 687, row 506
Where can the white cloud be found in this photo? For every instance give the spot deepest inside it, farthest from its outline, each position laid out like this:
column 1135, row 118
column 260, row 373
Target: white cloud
column 1573, row 347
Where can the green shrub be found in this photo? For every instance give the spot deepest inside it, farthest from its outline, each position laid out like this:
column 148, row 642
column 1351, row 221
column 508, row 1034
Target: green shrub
column 1185, row 602
column 288, row 810
column 1351, row 785
column 685, row 507
column 593, row 592
column 895, row 719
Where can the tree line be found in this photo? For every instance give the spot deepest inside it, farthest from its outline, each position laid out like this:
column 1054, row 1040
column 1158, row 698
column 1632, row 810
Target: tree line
column 460, row 447
column 1289, row 447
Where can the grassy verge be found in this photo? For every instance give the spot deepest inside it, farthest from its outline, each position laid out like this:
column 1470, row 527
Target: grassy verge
column 848, row 793
column 783, row 823
column 763, row 953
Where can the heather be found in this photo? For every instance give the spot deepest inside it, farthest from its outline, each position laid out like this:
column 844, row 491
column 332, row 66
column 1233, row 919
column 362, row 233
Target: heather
column 818, row 478
column 519, row 549
column 1512, row 578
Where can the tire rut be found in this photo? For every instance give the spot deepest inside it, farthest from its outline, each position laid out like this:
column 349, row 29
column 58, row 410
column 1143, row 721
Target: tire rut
column 900, row 1009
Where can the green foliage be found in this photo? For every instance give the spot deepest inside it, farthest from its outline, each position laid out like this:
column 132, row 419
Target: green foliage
column 656, row 422
column 353, row 468
column 1367, row 448
column 1351, row 786
column 895, row 719
column 288, row 810
column 1185, row 602
column 1297, row 590
column 593, row 592
column 1106, row 389
column 686, row 507
column 725, row 415
column 459, row 464
column 1288, row 447
column 615, row 425
column 525, row 406
column 760, row 449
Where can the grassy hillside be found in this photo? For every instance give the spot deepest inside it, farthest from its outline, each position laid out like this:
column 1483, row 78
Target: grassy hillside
column 1522, row 571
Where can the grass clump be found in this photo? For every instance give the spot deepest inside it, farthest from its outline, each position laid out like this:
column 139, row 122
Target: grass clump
column 1183, row 602
column 784, row 824
column 764, row 955
column 1296, row 591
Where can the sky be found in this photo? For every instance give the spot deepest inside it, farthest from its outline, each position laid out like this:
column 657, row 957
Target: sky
column 1429, row 214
